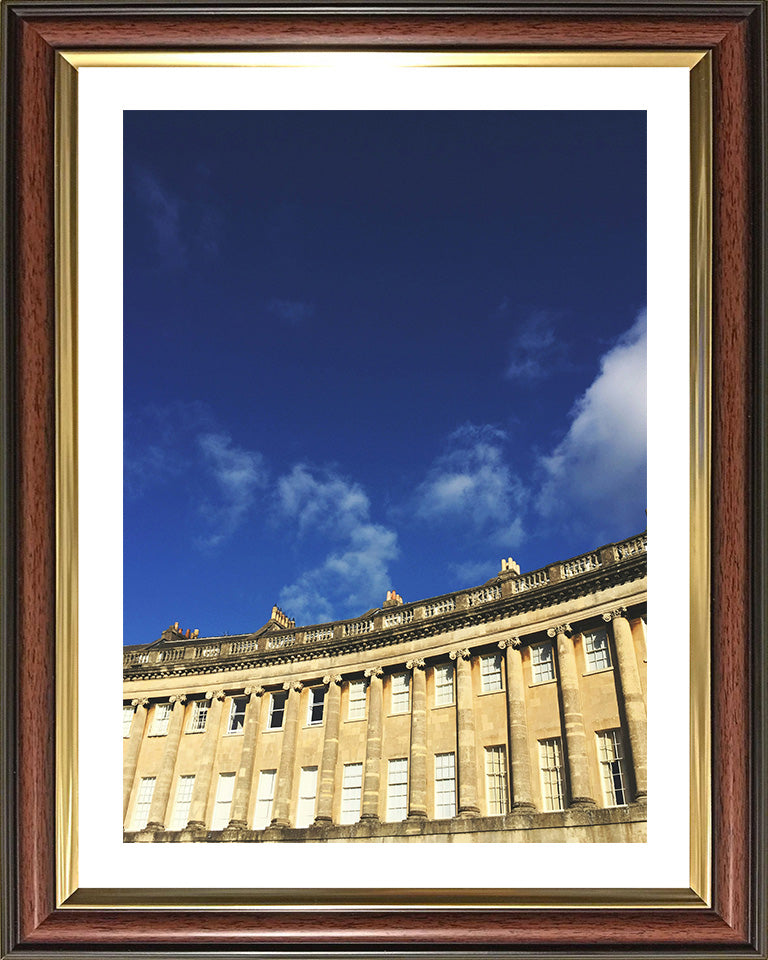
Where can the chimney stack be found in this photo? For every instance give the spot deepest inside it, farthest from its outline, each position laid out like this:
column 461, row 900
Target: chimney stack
column 510, row 566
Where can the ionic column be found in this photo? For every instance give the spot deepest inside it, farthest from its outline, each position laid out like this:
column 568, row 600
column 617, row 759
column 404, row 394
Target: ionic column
column 244, row 778
column 634, row 705
column 417, row 775
column 517, row 725
column 330, row 750
column 465, row 722
column 575, row 733
column 132, row 748
column 373, row 746
column 159, row 806
column 284, row 787
column 199, row 804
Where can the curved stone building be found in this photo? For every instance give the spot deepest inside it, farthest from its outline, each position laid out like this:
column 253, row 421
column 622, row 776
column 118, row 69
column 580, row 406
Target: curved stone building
column 513, row 711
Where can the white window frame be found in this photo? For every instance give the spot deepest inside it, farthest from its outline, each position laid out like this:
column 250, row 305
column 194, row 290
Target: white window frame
column 313, row 702
column 305, row 808
column 491, row 679
column 144, row 793
column 400, row 699
column 161, row 718
column 182, row 801
column 234, row 713
column 199, row 718
column 128, row 712
column 222, row 805
column 542, row 668
column 281, row 697
column 357, row 700
column 445, row 786
column 597, row 651
column 551, row 772
column 265, row 798
column 496, row 786
column 397, row 790
column 613, row 773
column 445, row 695
column 351, row 793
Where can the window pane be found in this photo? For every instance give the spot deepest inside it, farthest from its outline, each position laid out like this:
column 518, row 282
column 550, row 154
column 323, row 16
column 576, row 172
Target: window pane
column 264, row 797
column 443, row 684
column 542, row 663
column 611, row 755
column 162, row 715
column 180, row 816
column 143, row 803
column 351, row 792
column 597, row 651
column 127, row 720
column 237, row 715
column 496, row 779
column 490, row 673
column 397, row 790
column 316, row 702
column 199, row 716
column 224, row 793
column 400, row 701
column 550, row 761
column 356, row 709
column 277, row 710
column 445, row 785
column 305, row 812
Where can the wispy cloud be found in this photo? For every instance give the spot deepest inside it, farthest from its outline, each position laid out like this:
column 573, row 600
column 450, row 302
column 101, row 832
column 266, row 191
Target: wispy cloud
column 238, row 474
column 162, row 208
column 598, row 470
column 294, row 312
column 354, row 575
column 472, row 482
column 535, row 350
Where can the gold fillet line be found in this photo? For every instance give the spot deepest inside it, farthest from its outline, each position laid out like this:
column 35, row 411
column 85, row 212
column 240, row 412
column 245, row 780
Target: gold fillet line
column 67, row 65
column 700, row 489
column 65, row 133
column 358, row 60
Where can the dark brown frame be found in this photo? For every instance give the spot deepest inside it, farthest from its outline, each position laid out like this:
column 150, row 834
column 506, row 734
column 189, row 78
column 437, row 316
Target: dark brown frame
column 735, row 32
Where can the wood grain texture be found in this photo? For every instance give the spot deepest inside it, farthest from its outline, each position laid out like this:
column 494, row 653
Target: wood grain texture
column 725, row 927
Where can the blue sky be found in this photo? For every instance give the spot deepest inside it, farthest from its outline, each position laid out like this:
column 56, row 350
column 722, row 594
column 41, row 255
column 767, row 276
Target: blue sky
column 372, row 351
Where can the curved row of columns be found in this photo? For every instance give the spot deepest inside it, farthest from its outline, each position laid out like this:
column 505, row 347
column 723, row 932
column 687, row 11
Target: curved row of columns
column 521, row 786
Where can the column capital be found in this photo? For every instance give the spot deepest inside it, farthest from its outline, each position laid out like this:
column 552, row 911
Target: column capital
column 253, row 691
column 293, row 685
column 332, row 678
column 564, row 628
column 214, row 695
column 177, row 698
column 463, row 654
column 140, row 702
column 513, row 642
column 417, row 664
column 614, row 614
column 372, row 672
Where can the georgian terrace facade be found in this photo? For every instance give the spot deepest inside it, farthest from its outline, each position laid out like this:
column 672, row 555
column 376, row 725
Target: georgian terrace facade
column 514, row 711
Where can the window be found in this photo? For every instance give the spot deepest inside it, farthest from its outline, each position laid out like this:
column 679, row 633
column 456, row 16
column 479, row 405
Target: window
column 237, row 715
column 400, row 698
column 316, row 704
column 397, row 790
column 443, row 684
column 143, row 803
column 160, row 720
column 127, row 720
column 264, row 797
column 610, row 753
column 356, row 709
column 180, row 815
column 305, row 812
column 496, row 779
column 551, row 763
column 276, row 710
column 596, row 651
column 199, row 716
column 445, row 785
column 542, row 663
column 225, row 790
column 351, row 792
column 490, row 673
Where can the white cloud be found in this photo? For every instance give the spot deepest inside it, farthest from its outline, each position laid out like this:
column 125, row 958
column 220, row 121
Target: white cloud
column 598, row 470
column 163, row 210
column 472, row 482
column 354, row 576
column 291, row 311
column 238, row 474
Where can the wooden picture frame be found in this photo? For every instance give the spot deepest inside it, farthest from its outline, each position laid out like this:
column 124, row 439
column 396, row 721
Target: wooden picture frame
column 33, row 925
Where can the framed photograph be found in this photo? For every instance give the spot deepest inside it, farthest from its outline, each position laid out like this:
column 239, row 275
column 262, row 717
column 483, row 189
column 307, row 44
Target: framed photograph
column 306, row 310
